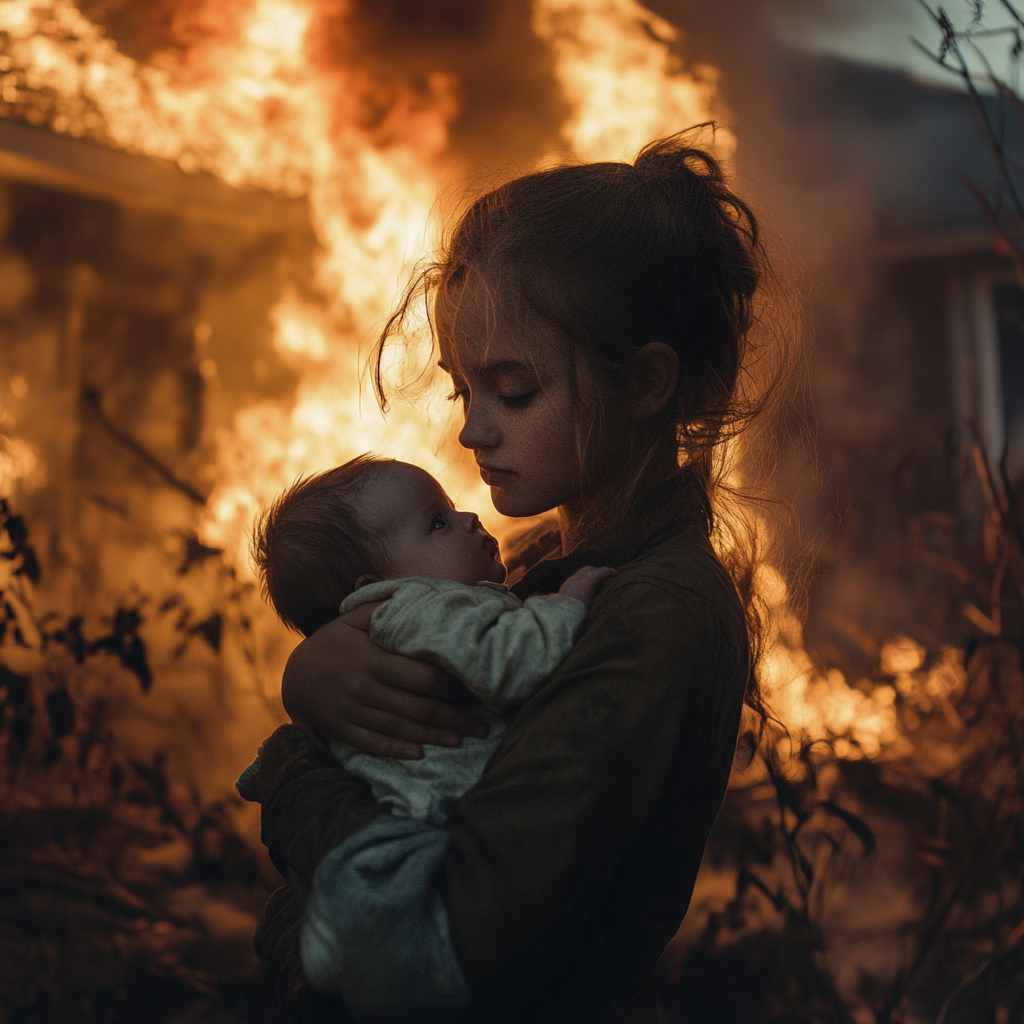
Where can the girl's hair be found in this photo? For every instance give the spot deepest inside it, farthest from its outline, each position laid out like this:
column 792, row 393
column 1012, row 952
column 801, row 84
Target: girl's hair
column 615, row 256
column 310, row 546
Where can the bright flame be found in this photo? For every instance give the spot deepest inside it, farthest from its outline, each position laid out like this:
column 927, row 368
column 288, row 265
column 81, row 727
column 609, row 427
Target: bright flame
column 615, row 63
column 201, row 114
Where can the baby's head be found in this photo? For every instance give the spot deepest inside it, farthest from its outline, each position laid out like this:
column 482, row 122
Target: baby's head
column 371, row 519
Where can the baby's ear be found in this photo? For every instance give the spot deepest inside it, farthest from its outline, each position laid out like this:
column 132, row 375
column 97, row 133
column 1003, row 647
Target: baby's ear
column 366, row 578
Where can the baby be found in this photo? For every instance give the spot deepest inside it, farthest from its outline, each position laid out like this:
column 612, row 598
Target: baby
column 379, row 530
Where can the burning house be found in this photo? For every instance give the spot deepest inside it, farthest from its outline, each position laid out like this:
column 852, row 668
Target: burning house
column 208, row 209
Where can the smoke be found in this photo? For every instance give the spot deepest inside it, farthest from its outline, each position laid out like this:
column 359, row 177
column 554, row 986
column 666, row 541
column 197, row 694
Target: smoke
column 838, row 155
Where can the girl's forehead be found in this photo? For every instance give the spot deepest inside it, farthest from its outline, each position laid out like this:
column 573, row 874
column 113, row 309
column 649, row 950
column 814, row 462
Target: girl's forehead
column 478, row 332
column 495, row 354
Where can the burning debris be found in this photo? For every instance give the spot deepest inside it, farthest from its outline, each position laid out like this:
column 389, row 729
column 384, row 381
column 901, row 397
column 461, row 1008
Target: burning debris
column 205, row 221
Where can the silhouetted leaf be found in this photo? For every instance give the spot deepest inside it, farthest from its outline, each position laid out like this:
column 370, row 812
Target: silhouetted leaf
column 17, row 534
column 14, row 526
column 788, row 796
column 858, row 826
column 133, row 657
column 29, row 565
column 746, row 878
column 196, row 552
column 61, row 711
column 71, row 637
column 125, row 642
column 16, row 685
column 20, row 732
column 210, row 630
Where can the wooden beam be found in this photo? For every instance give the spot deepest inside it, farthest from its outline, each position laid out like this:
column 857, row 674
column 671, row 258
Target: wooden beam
column 42, row 157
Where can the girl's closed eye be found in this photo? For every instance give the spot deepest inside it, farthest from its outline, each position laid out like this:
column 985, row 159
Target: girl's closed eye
column 520, row 400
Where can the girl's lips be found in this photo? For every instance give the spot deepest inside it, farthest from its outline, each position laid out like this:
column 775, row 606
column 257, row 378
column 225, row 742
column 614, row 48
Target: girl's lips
column 497, row 477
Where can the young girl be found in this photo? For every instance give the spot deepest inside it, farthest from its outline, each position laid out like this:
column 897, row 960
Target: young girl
column 595, row 321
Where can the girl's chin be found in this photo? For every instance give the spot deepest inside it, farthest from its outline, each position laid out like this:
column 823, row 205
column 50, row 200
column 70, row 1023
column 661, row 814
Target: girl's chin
column 516, row 506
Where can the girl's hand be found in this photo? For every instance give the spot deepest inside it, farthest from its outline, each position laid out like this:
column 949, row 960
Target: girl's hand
column 583, row 583
column 340, row 686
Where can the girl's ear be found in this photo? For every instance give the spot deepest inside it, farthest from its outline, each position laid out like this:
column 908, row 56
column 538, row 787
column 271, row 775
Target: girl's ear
column 366, row 578
column 654, row 371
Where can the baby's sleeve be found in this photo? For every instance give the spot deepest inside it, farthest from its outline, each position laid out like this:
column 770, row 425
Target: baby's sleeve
column 500, row 648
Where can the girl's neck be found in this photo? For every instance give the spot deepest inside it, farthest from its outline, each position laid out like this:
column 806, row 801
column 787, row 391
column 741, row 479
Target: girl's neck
column 602, row 506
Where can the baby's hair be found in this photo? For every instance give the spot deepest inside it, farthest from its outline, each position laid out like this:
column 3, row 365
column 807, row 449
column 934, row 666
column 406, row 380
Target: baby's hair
column 310, row 546
column 614, row 256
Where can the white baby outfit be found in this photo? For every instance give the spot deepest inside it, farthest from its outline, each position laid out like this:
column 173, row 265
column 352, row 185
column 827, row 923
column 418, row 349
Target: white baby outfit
column 499, row 646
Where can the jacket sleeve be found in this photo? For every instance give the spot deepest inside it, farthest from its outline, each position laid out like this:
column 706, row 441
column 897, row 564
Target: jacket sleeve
column 310, row 804
column 501, row 649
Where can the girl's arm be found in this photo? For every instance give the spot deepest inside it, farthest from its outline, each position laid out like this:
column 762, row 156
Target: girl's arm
column 341, row 686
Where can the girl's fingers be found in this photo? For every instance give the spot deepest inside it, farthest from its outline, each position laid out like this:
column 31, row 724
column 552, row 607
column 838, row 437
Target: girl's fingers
column 414, row 676
column 408, row 716
column 403, row 729
column 379, row 745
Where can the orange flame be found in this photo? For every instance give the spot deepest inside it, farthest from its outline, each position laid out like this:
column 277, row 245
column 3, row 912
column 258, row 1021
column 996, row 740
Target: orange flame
column 615, row 62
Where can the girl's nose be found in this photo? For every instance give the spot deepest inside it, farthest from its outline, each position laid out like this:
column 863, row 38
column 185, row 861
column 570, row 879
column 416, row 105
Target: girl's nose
column 478, row 431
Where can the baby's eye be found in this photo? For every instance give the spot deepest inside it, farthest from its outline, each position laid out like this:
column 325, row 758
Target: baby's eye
column 439, row 523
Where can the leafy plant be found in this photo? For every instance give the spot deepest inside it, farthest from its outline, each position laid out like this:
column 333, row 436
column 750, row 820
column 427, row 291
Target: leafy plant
column 114, row 874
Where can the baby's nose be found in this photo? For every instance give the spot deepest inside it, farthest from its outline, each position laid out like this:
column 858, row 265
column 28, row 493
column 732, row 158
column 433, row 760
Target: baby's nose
column 472, row 522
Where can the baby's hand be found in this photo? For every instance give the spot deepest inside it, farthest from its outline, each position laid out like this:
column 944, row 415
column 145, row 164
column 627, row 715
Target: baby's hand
column 583, row 583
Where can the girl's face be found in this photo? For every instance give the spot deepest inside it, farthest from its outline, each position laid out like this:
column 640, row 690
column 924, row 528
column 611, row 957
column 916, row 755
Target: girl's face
column 513, row 378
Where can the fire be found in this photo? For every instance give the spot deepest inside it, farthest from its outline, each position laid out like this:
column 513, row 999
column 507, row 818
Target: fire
column 19, row 466
column 616, row 65
column 255, row 104
column 252, row 106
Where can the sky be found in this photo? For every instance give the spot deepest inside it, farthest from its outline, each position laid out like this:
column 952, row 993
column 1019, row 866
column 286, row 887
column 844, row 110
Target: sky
column 880, row 32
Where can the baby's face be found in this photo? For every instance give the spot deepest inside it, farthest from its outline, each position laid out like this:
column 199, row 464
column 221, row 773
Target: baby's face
column 423, row 534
